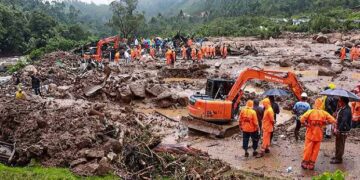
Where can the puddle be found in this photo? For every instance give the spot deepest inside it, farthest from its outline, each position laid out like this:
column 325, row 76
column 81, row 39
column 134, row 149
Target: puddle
column 355, row 76
column 167, row 80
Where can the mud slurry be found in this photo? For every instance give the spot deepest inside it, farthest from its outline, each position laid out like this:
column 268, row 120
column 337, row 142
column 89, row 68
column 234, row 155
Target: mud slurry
column 119, row 126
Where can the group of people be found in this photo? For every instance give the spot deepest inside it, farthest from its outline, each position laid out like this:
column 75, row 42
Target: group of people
column 198, row 54
column 256, row 120
column 35, row 85
column 354, row 53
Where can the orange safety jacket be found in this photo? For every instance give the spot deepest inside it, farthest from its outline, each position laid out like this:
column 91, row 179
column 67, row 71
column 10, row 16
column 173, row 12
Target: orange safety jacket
column 315, row 120
column 268, row 118
column 248, row 119
column 355, row 109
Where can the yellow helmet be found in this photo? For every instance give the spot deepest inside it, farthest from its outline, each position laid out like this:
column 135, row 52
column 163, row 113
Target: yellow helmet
column 332, row 86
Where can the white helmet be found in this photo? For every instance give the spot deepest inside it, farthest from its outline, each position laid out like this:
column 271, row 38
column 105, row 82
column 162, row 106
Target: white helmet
column 304, row 94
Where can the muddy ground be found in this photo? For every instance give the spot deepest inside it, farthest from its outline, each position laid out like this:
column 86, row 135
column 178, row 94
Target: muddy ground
column 131, row 124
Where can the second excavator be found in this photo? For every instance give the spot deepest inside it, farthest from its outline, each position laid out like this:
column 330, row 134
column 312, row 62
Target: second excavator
column 215, row 111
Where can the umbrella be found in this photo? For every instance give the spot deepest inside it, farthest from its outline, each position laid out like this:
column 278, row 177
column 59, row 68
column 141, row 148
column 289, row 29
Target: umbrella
column 276, row 92
column 341, row 93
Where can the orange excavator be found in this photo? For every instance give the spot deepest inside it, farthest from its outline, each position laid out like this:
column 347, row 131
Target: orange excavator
column 214, row 111
column 97, row 55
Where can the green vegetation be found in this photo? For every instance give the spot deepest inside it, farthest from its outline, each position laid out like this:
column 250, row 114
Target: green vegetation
column 11, row 173
column 337, row 175
column 36, row 27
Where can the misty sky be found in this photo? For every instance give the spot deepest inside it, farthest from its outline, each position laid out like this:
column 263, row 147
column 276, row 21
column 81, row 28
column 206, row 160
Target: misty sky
column 98, row 1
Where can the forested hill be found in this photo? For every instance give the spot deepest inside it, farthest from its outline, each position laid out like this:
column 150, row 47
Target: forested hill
column 35, row 26
column 241, row 7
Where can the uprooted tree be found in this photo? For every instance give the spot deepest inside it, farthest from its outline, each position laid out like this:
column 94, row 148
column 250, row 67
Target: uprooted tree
column 125, row 17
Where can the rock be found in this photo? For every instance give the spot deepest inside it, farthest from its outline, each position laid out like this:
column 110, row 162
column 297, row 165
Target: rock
column 5, row 79
column 338, row 69
column 94, row 153
column 355, row 38
column 156, row 90
column 30, row 69
column 285, row 63
column 138, row 89
column 218, row 65
column 63, row 88
column 320, row 38
column 111, row 156
column 104, row 167
column 348, row 44
column 52, row 87
column 125, row 94
column 302, row 67
column 113, row 145
column 36, row 150
column 77, row 162
column 326, row 72
column 83, row 141
column 183, row 101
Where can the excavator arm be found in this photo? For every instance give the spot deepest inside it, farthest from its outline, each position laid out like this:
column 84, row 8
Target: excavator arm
column 115, row 39
column 287, row 78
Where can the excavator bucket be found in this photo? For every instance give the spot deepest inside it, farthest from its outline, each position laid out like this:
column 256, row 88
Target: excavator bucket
column 7, row 152
column 218, row 130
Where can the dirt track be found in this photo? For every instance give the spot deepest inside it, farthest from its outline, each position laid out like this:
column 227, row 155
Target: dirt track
column 144, row 90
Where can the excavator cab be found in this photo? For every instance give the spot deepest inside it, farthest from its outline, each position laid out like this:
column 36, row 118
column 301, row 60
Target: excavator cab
column 218, row 88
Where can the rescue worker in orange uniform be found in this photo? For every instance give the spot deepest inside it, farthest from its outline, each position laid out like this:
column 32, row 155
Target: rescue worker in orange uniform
column 208, row 51
column 173, row 57
column 224, row 51
column 267, row 127
column 183, row 52
column 203, row 50
column 354, row 53
column 355, row 109
column 193, row 54
column 212, row 52
column 152, row 52
column 168, row 55
column 343, row 53
column 189, row 42
column 133, row 54
column 248, row 123
column 117, row 57
column 200, row 56
column 139, row 50
column 314, row 120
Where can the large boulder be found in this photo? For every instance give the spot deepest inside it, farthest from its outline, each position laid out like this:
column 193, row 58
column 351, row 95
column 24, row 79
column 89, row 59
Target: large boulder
column 125, row 94
column 326, row 72
column 285, row 63
column 321, row 38
column 138, row 89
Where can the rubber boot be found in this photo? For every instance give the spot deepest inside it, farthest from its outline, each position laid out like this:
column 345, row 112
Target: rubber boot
column 304, row 164
column 261, row 154
column 311, row 165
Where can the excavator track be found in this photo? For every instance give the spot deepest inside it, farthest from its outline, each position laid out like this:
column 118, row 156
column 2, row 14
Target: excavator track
column 218, row 130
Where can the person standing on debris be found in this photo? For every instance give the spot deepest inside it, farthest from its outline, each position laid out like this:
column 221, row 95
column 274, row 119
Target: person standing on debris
column 267, row 127
column 212, row 52
column 190, row 42
column 248, row 124
column 314, row 120
column 224, row 51
column 354, row 53
column 152, row 52
column 299, row 109
column 343, row 53
column 173, row 58
column 208, row 51
column 168, row 55
column 355, row 109
column 276, row 110
column 20, row 95
column 343, row 118
column 193, row 54
column 200, row 56
column 203, row 50
column 259, row 112
column 183, row 52
column 35, row 83
column 330, row 106
column 117, row 57
column 127, row 57
column 188, row 53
